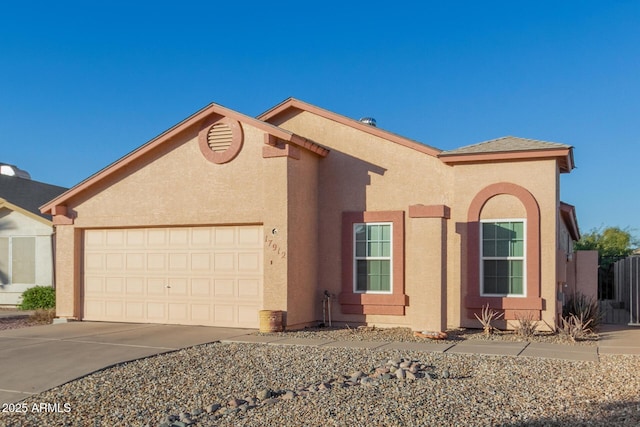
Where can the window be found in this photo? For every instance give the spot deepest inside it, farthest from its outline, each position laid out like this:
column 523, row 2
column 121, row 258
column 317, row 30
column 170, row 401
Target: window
column 17, row 260
column 372, row 260
column 503, row 267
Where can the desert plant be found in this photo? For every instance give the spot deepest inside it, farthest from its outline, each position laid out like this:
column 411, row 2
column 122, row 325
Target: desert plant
column 38, row 297
column 526, row 325
column 583, row 307
column 486, row 317
column 574, row 327
column 43, row 316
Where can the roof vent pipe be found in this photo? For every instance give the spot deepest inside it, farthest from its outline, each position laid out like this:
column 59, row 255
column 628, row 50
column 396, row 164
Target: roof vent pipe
column 368, row 121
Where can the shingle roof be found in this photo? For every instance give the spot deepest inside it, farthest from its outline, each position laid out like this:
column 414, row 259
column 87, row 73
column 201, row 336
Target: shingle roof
column 28, row 194
column 506, row 144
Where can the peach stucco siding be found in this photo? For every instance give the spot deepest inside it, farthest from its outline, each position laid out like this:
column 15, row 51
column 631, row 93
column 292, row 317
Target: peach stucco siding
column 307, row 192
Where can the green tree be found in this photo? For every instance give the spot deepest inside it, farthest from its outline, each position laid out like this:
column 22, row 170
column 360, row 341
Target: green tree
column 612, row 244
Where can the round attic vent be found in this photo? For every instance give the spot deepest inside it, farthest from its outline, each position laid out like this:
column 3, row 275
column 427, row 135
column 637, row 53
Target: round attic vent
column 221, row 141
column 219, row 137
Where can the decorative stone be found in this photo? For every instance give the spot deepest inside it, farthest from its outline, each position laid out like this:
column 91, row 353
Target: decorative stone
column 212, row 408
column 264, row 394
column 288, row 395
column 445, row 373
column 410, row 375
column 401, row 374
column 234, row 403
column 270, row 401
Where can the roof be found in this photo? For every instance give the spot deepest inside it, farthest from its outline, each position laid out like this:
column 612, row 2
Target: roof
column 568, row 213
column 295, row 104
column 28, row 194
column 511, row 147
column 194, row 120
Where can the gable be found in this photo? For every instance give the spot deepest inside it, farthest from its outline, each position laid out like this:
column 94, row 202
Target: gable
column 290, row 107
column 185, row 130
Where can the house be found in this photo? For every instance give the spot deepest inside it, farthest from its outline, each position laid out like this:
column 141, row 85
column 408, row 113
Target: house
column 224, row 215
column 26, row 235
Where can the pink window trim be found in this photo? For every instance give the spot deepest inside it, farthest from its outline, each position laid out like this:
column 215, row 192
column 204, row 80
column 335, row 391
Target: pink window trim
column 532, row 301
column 363, row 303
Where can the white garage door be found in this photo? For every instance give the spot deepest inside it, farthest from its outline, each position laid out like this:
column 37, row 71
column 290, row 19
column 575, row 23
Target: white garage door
column 182, row 275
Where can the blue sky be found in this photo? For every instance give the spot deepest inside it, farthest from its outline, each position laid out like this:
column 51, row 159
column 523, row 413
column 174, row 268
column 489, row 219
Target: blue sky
column 84, row 83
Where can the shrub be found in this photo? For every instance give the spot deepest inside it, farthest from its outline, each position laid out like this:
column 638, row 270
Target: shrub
column 38, row 297
column 574, row 327
column 526, row 325
column 43, row 316
column 583, row 307
column 487, row 317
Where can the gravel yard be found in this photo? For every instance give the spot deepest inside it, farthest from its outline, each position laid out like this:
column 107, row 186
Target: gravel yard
column 450, row 389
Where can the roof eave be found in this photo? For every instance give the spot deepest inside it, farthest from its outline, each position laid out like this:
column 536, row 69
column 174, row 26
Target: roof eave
column 568, row 212
column 565, row 155
column 16, row 208
column 291, row 103
column 187, row 123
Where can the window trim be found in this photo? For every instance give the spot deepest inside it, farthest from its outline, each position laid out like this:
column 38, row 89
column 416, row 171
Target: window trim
column 356, row 258
column 523, row 258
column 369, row 303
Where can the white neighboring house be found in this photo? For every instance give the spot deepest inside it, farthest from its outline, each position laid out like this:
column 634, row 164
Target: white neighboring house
column 26, row 236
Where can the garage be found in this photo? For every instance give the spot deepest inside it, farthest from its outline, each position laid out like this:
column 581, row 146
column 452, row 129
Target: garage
column 210, row 276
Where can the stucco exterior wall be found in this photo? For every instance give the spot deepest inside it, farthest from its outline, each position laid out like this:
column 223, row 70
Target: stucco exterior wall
column 176, row 185
column 366, row 173
column 304, row 297
column 536, row 177
column 16, row 224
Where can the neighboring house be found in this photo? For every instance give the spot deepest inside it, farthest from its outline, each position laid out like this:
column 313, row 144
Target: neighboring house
column 26, row 242
column 224, row 215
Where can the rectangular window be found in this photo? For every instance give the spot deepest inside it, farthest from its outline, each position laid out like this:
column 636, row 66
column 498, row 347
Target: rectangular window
column 18, row 260
column 373, row 257
column 503, row 254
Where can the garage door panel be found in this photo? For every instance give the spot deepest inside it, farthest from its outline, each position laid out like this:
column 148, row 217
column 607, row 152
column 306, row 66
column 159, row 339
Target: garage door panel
column 201, row 287
column 224, row 262
column 201, row 261
column 135, row 261
column 114, row 309
column 114, row 286
column 223, row 288
column 115, row 238
column 134, row 310
column 191, row 275
column 249, row 262
column 178, row 287
column 156, row 261
column 224, row 237
column 156, row 311
column 249, row 288
column 114, row 261
column 250, row 237
column 156, row 287
column 135, row 286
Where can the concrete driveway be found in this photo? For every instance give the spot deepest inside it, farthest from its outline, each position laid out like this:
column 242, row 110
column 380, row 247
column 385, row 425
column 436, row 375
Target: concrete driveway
column 39, row 358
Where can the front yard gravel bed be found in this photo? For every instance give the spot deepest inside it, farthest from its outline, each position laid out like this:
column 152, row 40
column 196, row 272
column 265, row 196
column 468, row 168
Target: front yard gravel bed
column 179, row 388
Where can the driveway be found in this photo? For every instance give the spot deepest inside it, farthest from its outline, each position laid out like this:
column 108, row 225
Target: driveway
column 39, row 358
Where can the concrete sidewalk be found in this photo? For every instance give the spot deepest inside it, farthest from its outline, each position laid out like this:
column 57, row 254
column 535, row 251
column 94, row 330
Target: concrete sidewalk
column 613, row 340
